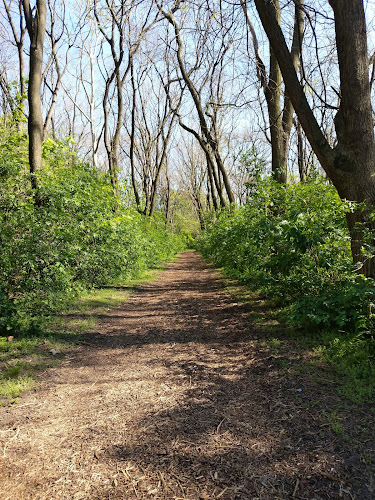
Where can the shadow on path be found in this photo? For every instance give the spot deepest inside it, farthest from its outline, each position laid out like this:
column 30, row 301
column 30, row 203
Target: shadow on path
column 174, row 396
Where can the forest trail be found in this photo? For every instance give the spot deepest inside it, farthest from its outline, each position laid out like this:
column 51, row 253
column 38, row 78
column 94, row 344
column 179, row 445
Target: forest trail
column 174, row 396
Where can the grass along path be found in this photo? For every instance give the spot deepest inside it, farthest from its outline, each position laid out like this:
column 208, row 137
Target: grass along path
column 27, row 355
column 175, row 395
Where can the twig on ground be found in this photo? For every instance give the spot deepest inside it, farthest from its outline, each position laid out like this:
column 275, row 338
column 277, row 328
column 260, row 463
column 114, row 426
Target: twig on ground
column 218, row 427
column 295, row 488
column 179, row 484
column 29, row 404
column 222, row 492
column 9, row 440
column 162, row 481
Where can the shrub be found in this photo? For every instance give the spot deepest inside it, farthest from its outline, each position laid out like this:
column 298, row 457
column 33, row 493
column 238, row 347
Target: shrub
column 292, row 242
column 75, row 240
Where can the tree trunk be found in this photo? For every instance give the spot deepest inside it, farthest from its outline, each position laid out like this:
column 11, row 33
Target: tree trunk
column 302, row 166
column 273, row 98
column 350, row 165
column 132, row 140
column 36, row 27
column 280, row 121
column 210, row 184
column 168, row 199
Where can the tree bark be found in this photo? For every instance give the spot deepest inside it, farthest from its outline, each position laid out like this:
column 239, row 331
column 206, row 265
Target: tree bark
column 280, row 120
column 132, row 140
column 273, row 98
column 36, row 27
column 302, row 165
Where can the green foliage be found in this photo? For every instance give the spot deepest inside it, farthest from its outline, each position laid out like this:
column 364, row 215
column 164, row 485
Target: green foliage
column 13, row 151
column 333, row 421
column 17, row 101
column 252, row 165
column 291, row 243
column 74, row 241
column 10, row 389
column 353, row 358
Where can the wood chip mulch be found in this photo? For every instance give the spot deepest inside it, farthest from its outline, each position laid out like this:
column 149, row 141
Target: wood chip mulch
column 173, row 395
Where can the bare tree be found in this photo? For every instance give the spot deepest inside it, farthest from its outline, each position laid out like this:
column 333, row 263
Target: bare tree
column 153, row 114
column 192, row 170
column 59, row 40
column 123, row 35
column 207, row 115
column 81, row 85
column 18, row 41
column 280, row 120
column 89, row 45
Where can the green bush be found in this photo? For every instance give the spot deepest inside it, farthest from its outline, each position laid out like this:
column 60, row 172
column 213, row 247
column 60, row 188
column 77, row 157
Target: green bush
column 75, row 240
column 292, row 243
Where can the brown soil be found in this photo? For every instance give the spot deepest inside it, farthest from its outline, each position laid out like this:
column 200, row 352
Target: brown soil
column 175, row 396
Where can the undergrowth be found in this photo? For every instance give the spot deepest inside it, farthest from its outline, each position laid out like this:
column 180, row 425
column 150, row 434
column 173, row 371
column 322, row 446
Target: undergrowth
column 290, row 243
column 66, row 251
column 350, row 356
column 77, row 237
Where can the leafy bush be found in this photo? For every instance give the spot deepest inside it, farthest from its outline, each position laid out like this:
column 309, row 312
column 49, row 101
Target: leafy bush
column 292, row 242
column 75, row 240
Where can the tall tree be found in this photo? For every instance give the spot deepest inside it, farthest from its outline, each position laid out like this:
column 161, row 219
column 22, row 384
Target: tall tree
column 280, row 118
column 59, row 37
column 193, row 173
column 36, row 27
column 123, row 33
column 351, row 163
column 153, row 114
column 207, row 113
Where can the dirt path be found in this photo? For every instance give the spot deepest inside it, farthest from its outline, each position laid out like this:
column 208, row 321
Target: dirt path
column 173, row 397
